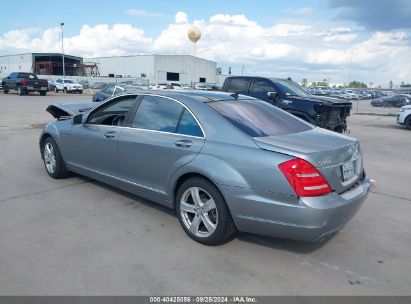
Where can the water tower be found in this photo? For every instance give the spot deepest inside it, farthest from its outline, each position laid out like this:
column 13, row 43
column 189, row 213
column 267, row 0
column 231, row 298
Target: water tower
column 194, row 35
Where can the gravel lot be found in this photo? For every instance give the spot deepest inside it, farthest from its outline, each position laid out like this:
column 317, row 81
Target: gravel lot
column 80, row 237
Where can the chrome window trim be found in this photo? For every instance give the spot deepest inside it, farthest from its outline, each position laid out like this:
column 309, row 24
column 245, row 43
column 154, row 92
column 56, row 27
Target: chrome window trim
column 156, row 95
column 146, row 130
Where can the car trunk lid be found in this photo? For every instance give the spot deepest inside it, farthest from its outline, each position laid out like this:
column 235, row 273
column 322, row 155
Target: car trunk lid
column 336, row 157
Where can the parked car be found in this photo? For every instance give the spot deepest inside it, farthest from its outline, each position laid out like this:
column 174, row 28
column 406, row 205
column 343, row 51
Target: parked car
column 67, row 86
column 25, row 83
column 223, row 162
column 404, row 116
column 85, row 84
column 325, row 112
column 351, row 95
column 111, row 91
column 99, row 85
column 166, row 86
column 396, row 101
column 339, row 94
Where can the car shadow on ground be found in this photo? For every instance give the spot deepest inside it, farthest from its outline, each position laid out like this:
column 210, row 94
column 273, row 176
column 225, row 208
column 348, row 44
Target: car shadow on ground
column 269, row 242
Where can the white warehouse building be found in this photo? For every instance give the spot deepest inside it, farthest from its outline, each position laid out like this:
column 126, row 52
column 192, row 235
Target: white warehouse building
column 157, row 68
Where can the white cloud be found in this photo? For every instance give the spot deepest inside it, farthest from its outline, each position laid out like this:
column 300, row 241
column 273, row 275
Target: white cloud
column 142, row 13
column 181, row 18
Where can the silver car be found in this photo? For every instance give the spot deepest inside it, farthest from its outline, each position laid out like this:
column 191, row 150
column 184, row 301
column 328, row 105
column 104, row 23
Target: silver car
column 224, row 162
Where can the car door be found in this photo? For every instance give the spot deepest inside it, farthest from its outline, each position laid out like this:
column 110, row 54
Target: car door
column 11, row 81
column 93, row 144
column 163, row 136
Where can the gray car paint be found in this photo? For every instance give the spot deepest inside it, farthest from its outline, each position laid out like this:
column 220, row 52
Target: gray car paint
column 244, row 169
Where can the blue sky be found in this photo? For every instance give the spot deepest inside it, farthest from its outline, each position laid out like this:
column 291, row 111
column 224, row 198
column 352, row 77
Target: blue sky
column 368, row 40
column 76, row 13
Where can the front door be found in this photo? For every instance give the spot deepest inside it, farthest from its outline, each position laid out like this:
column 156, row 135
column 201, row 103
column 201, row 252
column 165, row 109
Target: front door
column 94, row 143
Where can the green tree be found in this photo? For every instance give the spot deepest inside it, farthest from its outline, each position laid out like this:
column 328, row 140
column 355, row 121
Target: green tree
column 357, row 84
column 304, row 82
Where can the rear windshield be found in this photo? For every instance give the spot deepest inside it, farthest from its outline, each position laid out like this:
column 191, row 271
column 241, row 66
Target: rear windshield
column 257, row 118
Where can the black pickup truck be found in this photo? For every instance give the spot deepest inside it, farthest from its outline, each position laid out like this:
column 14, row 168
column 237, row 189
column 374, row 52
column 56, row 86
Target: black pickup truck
column 25, row 83
column 324, row 112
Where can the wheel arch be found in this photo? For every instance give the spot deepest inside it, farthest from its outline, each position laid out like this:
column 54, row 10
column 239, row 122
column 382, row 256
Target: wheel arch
column 186, row 176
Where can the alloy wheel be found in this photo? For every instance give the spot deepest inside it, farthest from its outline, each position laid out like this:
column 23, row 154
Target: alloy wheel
column 49, row 158
column 198, row 212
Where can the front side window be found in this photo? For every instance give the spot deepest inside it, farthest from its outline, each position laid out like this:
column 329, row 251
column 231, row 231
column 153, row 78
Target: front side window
column 113, row 113
column 158, row 114
column 257, row 118
column 261, row 87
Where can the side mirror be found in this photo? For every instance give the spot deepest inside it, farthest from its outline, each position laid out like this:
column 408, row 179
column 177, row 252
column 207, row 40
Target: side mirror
column 77, row 119
column 272, row 95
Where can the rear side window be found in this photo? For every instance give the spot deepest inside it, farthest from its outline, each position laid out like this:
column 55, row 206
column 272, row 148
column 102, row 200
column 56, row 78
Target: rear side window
column 257, row 118
column 188, row 125
column 239, row 85
column 157, row 113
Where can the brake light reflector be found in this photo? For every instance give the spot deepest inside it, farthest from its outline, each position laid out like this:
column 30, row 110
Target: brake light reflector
column 24, row 82
column 304, row 178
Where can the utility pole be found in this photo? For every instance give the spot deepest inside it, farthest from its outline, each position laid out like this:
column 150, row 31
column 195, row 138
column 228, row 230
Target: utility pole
column 62, row 49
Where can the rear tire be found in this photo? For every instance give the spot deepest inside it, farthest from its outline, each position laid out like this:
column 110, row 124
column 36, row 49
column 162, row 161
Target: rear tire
column 56, row 90
column 5, row 91
column 43, row 93
column 65, row 90
column 203, row 212
column 53, row 161
column 407, row 122
column 80, row 92
column 20, row 91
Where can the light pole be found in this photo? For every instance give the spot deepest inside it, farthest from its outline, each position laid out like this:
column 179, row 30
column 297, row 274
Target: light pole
column 62, row 48
column 242, row 71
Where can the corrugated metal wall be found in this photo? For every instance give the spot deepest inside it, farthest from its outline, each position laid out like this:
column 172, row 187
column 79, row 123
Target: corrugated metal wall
column 190, row 68
column 15, row 63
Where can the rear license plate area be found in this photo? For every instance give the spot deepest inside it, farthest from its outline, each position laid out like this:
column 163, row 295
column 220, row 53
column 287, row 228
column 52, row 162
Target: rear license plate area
column 347, row 171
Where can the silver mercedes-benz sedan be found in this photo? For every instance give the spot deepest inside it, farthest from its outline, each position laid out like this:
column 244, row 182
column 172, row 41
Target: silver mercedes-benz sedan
column 224, row 162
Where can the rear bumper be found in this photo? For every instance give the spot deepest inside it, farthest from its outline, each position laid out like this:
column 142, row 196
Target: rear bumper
column 306, row 219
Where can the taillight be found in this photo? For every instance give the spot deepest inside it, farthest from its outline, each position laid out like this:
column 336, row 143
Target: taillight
column 304, row 178
column 24, row 82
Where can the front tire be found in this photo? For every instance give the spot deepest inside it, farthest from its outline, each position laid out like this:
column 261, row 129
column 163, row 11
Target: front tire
column 65, row 90
column 203, row 212
column 43, row 93
column 53, row 161
column 56, row 90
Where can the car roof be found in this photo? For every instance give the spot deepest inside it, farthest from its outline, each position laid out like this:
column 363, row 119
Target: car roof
column 204, row 96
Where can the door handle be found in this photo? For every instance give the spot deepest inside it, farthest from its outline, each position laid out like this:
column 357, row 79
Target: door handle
column 184, row 143
column 110, row 134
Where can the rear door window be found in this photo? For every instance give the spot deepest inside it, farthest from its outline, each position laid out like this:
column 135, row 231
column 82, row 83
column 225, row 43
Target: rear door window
column 239, row 85
column 257, row 118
